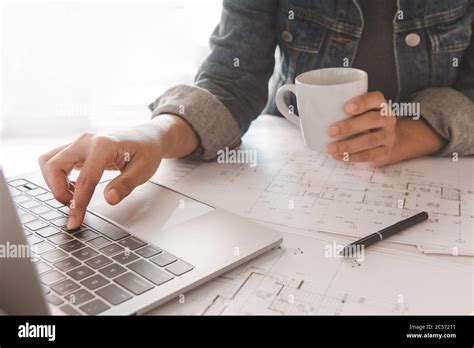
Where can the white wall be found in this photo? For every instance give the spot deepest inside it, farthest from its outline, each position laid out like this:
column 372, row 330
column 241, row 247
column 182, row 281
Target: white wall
column 69, row 66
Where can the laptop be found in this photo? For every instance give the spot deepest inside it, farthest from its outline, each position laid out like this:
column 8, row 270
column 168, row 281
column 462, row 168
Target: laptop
column 123, row 260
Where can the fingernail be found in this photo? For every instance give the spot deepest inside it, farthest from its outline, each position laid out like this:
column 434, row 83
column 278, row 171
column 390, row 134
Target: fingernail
column 113, row 196
column 351, row 108
column 333, row 131
column 71, row 223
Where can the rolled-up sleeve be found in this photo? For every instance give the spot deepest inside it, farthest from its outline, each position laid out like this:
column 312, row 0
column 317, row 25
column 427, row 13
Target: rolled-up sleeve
column 210, row 119
column 450, row 110
column 231, row 86
column 451, row 114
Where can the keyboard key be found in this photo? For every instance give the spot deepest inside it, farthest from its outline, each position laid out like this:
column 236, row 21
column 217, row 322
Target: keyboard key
column 17, row 182
column 85, row 253
column 112, row 270
column 45, row 197
column 113, row 294
column 179, row 267
column 51, row 215
column 104, row 227
column 54, row 203
column 163, row 259
column 67, row 264
column 36, row 192
column 51, row 277
column 21, row 199
column 112, row 249
column 42, row 248
column 54, row 256
column 80, row 228
column 20, row 211
column 42, row 267
column 150, row 272
column 25, row 218
column 36, row 225
column 47, row 232
column 54, row 299
column 30, row 186
column 64, row 210
column 27, row 232
column 30, row 204
column 79, row 297
column 60, row 238
column 132, row 243
column 125, row 257
column 98, row 262
column 40, row 210
column 94, row 282
column 148, row 251
column 80, row 273
column 61, row 222
column 72, row 245
column 14, row 192
column 69, row 310
column 64, row 287
column 94, row 307
column 99, row 242
column 133, row 283
column 85, row 235
column 32, row 239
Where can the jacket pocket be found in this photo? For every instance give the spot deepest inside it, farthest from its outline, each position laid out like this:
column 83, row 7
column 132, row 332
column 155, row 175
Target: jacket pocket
column 451, row 36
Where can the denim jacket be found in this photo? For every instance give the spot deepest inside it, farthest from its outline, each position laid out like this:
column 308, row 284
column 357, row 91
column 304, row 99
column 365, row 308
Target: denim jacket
column 232, row 85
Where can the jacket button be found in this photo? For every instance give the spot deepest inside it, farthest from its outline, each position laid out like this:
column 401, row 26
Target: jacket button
column 286, row 36
column 412, row 40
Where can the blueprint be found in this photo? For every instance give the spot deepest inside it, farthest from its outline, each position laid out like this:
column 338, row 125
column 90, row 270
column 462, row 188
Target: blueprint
column 299, row 278
column 305, row 189
column 303, row 194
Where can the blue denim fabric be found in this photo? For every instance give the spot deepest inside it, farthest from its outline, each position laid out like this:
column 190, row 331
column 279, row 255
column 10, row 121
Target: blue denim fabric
column 312, row 34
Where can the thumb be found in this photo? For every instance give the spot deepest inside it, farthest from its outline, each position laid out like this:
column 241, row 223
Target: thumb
column 120, row 187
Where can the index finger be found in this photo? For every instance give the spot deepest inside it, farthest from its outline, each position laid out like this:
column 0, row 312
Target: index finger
column 364, row 103
column 86, row 182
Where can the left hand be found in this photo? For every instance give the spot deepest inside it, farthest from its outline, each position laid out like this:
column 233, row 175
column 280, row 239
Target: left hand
column 372, row 134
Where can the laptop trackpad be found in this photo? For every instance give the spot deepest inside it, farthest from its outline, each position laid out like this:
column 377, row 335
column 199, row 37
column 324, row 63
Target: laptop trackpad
column 148, row 209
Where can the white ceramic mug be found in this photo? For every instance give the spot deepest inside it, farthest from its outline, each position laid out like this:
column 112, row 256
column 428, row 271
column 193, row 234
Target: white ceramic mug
column 321, row 95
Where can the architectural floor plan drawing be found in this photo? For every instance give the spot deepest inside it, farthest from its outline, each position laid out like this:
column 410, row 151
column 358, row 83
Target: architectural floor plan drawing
column 311, row 191
column 301, row 277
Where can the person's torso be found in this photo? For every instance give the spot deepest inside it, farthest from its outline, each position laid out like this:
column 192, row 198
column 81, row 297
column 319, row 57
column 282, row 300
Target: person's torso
column 428, row 38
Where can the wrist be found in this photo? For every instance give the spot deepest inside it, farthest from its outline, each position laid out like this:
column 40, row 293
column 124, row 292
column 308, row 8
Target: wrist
column 415, row 138
column 174, row 136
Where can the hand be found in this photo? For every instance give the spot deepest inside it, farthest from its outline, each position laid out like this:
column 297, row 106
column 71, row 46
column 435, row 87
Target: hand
column 372, row 134
column 136, row 153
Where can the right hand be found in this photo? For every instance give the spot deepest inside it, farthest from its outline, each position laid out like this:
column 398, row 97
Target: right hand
column 136, row 153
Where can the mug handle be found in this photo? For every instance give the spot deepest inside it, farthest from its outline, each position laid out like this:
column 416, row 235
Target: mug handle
column 281, row 105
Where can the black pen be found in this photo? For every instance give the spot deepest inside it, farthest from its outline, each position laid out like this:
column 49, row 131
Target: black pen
column 385, row 233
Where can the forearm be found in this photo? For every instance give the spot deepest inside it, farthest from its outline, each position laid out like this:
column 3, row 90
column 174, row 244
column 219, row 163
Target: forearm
column 415, row 138
column 173, row 135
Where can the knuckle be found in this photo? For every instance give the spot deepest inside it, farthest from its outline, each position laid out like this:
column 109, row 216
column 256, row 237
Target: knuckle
column 82, row 182
column 85, row 136
column 101, row 141
column 379, row 96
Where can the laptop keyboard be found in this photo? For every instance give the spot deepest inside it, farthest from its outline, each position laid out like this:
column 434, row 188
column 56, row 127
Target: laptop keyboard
column 93, row 268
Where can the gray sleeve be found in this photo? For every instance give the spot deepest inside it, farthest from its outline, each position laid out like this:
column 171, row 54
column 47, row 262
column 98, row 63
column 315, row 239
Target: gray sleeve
column 451, row 114
column 212, row 121
column 450, row 111
column 231, row 86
